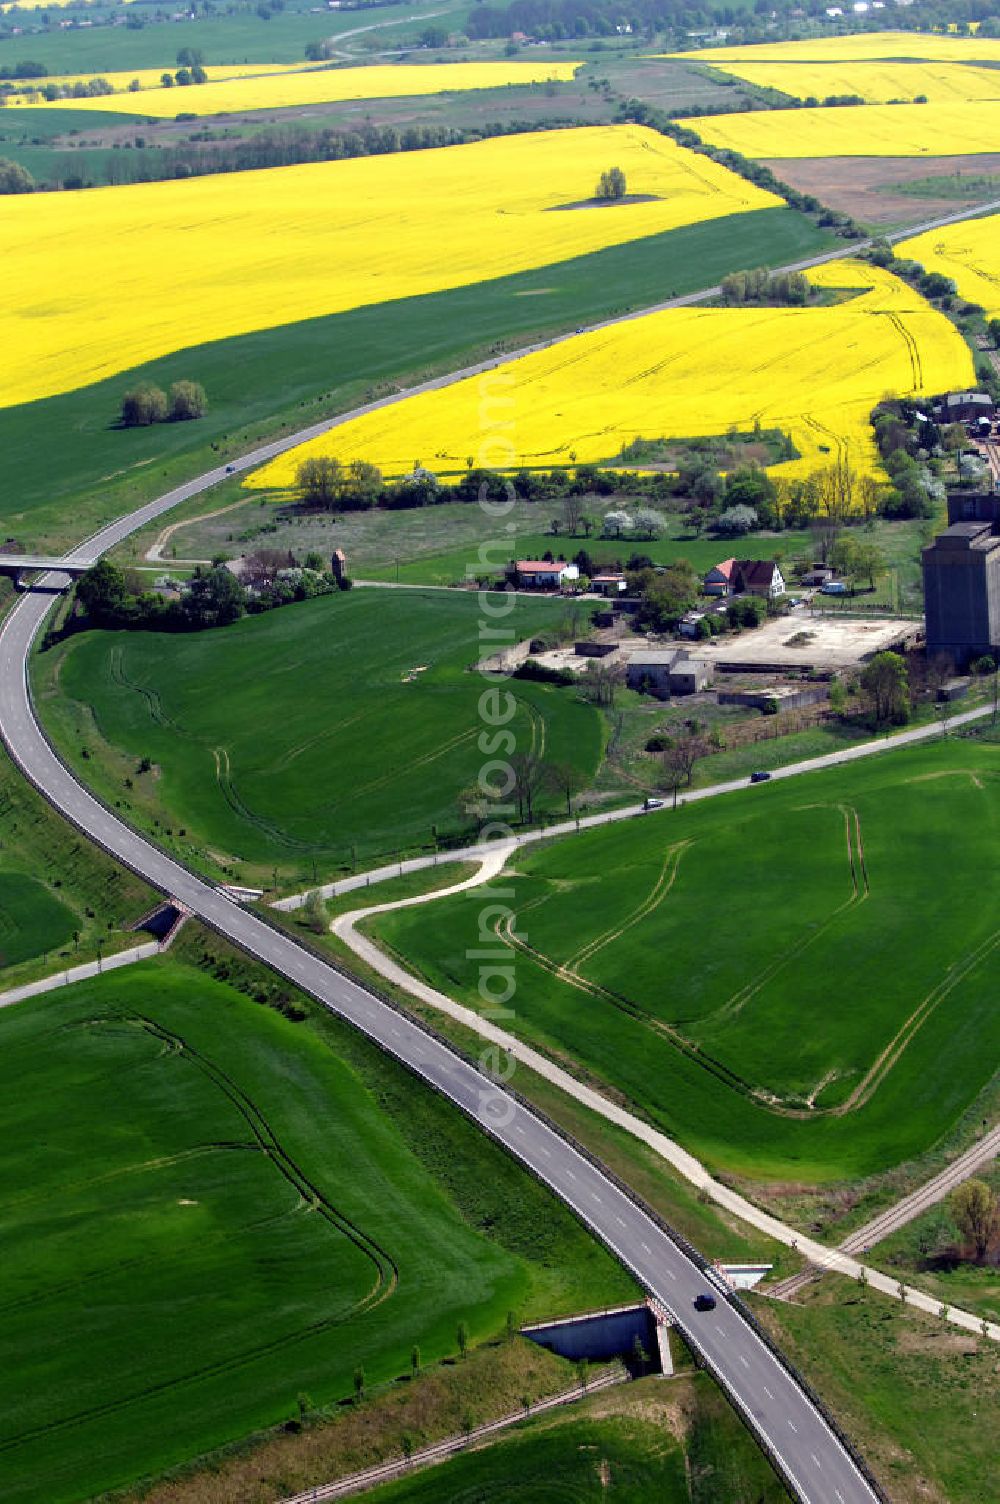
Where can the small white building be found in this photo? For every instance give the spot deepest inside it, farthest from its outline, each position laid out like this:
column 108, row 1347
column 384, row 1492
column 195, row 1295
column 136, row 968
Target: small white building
column 607, row 583
column 543, row 574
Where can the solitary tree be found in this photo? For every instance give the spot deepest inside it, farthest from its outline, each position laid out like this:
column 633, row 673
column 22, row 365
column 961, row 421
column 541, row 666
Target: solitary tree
column 647, row 522
column 102, row 593
column 887, row 682
column 462, row 1338
column 359, row 1383
column 611, row 185
column 143, row 405
column 975, row 1211
column 187, row 400
column 319, row 481
column 414, row 1360
column 566, row 779
column 529, row 775
column 314, row 912
column 14, row 178
column 362, row 484
column 679, row 760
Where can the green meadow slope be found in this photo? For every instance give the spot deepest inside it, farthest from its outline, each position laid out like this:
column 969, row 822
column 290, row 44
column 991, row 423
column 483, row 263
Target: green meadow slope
column 795, row 981
column 208, row 1210
column 338, row 729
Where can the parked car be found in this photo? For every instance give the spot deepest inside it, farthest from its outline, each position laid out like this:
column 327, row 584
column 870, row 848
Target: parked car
column 654, row 803
column 760, row 776
column 704, row 1302
column 833, row 587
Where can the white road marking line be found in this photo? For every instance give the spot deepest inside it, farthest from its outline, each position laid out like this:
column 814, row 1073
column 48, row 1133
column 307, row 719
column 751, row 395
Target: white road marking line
column 519, row 1129
column 743, row 1361
column 620, row 1221
column 647, row 1248
column 793, row 1427
column 546, row 1152
column 671, row 1274
column 570, row 1175
column 720, row 1329
column 768, row 1393
column 596, row 1197
column 839, row 1495
column 816, row 1460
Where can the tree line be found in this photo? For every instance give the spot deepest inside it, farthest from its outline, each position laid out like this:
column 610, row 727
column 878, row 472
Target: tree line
column 114, row 598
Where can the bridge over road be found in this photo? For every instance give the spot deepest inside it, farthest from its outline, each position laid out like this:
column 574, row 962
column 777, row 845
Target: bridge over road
column 21, row 564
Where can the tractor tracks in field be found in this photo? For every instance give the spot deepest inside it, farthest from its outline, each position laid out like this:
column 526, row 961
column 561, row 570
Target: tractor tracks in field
column 505, row 929
column 311, row 1201
column 877, row 1072
column 860, row 891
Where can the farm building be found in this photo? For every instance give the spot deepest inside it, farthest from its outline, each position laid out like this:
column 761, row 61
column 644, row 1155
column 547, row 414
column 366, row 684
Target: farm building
column 542, row 574
column 962, row 580
column 760, row 577
column 719, row 580
column 963, row 407
column 745, row 577
column 666, row 671
column 608, row 583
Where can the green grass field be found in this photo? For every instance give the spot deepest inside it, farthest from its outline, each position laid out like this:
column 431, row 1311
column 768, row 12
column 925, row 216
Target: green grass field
column 680, row 1447
column 920, row 1399
column 60, row 897
column 727, row 966
column 321, row 735
column 76, row 469
column 32, row 919
column 242, row 37
column 208, row 1210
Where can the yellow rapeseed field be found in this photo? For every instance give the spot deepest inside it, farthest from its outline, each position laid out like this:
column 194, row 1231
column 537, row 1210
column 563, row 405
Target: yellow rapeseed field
column 875, row 83
column 871, row 130
column 327, row 85
column 148, row 78
column 969, row 252
column 868, row 46
column 814, row 372
column 111, row 277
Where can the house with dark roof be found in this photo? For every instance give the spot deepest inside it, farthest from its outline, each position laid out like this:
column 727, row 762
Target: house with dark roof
column 759, row 577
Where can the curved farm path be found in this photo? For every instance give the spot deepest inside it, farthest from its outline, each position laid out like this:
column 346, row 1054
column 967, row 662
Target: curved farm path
column 836, row 1260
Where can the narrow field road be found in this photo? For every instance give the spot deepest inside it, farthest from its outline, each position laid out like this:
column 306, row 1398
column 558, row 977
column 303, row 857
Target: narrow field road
column 474, row 852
